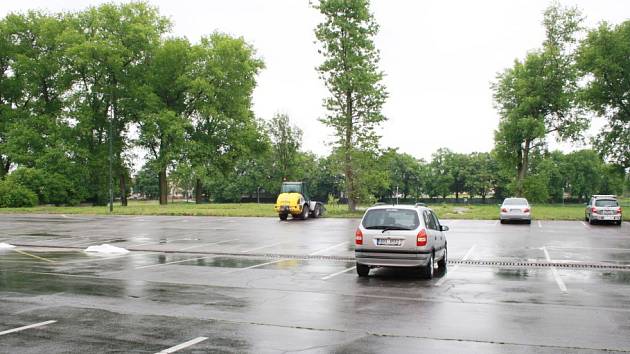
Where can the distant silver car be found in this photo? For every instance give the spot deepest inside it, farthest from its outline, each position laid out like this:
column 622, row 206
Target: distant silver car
column 400, row 236
column 603, row 208
column 515, row 209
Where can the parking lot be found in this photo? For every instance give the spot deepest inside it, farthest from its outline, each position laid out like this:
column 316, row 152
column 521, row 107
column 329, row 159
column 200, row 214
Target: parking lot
column 205, row 284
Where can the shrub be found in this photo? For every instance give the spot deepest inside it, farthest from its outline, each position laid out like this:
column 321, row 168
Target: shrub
column 13, row 195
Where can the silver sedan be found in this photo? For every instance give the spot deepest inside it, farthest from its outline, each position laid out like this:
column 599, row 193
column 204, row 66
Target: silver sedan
column 515, row 209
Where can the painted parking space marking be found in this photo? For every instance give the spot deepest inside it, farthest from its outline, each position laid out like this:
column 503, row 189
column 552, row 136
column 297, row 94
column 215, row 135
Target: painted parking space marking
column 207, row 244
column 554, row 271
column 183, row 345
column 585, row 225
column 35, row 325
column 259, row 248
column 328, row 248
column 539, row 224
column 257, row 265
column 174, row 262
column 340, row 272
column 34, row 256
column 452, row 270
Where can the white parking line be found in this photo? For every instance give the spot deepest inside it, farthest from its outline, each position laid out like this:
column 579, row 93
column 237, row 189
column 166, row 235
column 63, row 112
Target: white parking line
column 206, row 244
column 539, row 224
column 174, row 262
column 26, row 327
column 452, row 270
column 328, row 248
column 257, row 265
column 496, row 223
column 341, row 272
column 554, row 271
column 585, row 225
column 182, row 346
column 258, row 248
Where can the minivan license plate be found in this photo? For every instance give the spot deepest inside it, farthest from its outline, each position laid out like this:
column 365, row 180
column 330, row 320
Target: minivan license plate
column 388, row 242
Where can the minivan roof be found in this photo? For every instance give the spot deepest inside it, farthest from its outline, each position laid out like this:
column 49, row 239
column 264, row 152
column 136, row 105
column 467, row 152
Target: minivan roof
column 397, row 206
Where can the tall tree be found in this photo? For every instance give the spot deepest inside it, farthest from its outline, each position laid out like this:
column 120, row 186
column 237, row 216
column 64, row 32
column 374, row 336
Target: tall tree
column 223, row 125
column 604, row 56
column 287, row 141
column 536, row 97
column 350, row 72
column 112, row 44
column 9, row 93
column 168, row 110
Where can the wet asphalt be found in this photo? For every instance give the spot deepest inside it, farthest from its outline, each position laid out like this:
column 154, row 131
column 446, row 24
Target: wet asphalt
column 258, row 285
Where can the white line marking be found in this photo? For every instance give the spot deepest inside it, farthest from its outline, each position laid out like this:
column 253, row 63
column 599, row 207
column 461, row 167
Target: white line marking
column 585, row 224
column 257, row 265
column 341, row 272
column 174, row 262
column 496, row 223
column 207, row 244
column 554, row 271
column 258, row 248
column 452, row 270
column 26, row 327
column 539, row 224
column 328, row 248
column 183, row 345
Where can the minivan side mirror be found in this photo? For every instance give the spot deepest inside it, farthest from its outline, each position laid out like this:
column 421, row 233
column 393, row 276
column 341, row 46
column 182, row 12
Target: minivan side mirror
column 444, row 228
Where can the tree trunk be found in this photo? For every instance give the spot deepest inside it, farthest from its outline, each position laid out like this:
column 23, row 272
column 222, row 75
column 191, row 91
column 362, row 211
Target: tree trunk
column 522, row 169
column 163, row 187
column 123, row 189
column 6, row 166
column 352, row 206
column 198, row 191
column 456, row 196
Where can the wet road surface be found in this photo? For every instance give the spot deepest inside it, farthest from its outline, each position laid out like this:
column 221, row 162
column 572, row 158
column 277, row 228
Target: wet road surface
column 203, row 284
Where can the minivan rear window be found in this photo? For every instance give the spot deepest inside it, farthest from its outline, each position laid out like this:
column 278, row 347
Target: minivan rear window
column 606, row 203
column 392, row 219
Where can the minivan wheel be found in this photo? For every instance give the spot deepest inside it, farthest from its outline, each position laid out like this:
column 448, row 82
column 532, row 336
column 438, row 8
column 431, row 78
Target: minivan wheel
column 442, row 262
column 363, row 270
column 427, row 271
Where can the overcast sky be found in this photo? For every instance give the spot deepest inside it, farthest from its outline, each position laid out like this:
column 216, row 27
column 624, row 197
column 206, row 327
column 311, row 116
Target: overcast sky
column 439, row 58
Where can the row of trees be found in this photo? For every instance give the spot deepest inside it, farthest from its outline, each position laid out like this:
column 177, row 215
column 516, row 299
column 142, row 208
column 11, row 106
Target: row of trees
column 557, row 89
column 79, row 91
column 387, row 173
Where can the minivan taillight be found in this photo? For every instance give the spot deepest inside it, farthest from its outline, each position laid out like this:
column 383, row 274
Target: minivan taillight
column 421, row 239
column 503, row 210
column 358, row 237
column 619, row 210
column 526, row 210
column 594, row 210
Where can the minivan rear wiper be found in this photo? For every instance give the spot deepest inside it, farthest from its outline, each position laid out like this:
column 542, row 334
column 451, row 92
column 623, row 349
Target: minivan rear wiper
column 387, row 228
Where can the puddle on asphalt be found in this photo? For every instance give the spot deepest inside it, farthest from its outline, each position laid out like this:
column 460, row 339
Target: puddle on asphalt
column 513, row 274
column 622, row 277
column 222, row 262
column 44, row 234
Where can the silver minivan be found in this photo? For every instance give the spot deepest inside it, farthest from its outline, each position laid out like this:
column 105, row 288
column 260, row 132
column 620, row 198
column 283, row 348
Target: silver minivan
column 400, row 236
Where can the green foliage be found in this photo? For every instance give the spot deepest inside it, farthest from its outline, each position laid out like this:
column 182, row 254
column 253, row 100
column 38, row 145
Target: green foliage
column 604, row 57
column 286, row 142
column 537, row 96
column 14, row 195
column 350, row 73
column 146, row 182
